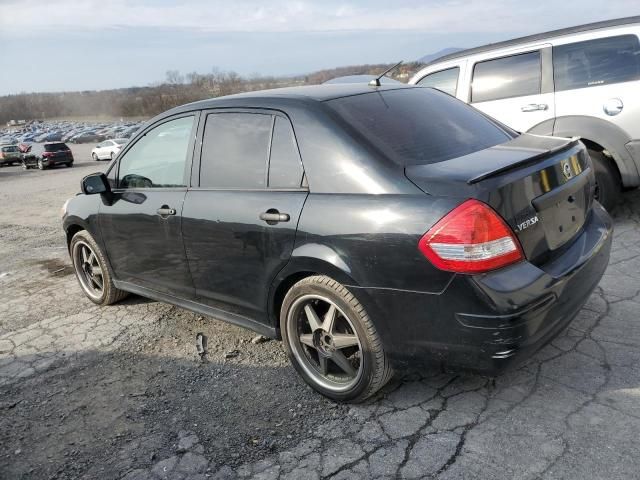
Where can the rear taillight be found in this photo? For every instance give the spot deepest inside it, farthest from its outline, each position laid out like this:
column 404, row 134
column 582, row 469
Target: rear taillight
column 47, row 154
column 472, row 238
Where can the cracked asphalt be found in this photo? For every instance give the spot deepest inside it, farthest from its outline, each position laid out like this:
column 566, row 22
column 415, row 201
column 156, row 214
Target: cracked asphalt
column 120, row 392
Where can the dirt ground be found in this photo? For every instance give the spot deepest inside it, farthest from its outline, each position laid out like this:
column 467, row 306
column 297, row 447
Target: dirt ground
column 120, row 392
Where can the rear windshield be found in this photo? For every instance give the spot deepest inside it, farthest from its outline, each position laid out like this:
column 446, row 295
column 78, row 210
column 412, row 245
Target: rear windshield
column 55, row 147
column 120, row 141
column 10, row 149
column 418, row 126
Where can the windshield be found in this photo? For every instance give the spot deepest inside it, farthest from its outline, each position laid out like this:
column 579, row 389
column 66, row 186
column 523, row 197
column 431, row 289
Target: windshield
column 417, row 126
column 10, row 149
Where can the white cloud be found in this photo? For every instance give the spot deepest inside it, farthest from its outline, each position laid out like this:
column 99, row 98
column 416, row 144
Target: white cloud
column 304, row 15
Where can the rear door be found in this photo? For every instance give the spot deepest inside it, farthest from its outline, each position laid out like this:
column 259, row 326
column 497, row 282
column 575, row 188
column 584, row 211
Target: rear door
column 141, row 225
column 599, row 77
column 516, row 89
column 240, row 222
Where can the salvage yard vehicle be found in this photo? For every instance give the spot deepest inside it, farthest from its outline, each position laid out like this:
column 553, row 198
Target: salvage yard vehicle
column 581, row 81
column 369, row 227
column 47, row 155
column 108, row 150
column 9, row 155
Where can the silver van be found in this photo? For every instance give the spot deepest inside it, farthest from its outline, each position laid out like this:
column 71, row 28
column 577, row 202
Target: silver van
column 581, row 81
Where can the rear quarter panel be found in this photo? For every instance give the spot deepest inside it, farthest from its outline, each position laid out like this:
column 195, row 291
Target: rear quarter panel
column 373, row 239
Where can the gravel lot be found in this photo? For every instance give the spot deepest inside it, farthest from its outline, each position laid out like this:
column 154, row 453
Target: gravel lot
column 115, row 392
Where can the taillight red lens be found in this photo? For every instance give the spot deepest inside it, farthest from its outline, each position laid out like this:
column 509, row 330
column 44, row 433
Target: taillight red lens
column 472, row 238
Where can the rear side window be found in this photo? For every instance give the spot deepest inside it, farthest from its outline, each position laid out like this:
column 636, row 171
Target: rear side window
column 285, row 167
column 596, row 62
column 235, row 149
column 417, row 126
column 11, row 149
column 55, row 147
column 444, row 80
column 507, row 77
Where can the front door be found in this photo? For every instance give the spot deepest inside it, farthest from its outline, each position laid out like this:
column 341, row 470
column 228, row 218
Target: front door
column 141, row 225
column 240, row 223
column 516, row 89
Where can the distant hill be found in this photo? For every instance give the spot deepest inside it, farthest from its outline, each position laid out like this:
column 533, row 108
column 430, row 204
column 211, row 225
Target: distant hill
column 441, row 53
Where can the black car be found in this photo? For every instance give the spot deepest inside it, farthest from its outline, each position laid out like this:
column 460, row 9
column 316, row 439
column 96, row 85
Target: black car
column 368, row 227
column 46, row 155
column 87, row 137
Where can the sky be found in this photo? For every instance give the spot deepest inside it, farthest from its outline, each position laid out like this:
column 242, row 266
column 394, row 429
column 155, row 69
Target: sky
column 69, row 45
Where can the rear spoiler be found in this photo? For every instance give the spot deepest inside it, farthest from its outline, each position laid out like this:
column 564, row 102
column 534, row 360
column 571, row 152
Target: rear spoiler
column 524, row 162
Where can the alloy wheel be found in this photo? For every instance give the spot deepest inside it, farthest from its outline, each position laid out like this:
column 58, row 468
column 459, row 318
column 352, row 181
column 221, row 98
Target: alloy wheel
column 325, row 343
column 88, row 269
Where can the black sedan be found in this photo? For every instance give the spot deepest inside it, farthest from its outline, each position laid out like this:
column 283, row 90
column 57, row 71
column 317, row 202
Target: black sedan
column 367, row 227
column 87, row 137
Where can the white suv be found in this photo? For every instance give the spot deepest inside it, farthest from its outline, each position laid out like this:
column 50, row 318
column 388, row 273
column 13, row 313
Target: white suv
column 581, row 81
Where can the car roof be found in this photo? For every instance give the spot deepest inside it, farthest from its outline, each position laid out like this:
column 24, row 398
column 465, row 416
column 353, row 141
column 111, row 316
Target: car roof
column 317, row 93
column 537, row 37
column 360, row 79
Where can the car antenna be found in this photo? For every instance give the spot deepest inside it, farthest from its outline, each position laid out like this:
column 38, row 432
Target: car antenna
column 376, row 81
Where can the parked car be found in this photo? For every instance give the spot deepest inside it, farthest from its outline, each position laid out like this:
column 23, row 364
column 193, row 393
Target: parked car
column 108, row 149
column 582, row 81
column 366, row 226
column 87, row 137
column 9, row 155
column 47, row 155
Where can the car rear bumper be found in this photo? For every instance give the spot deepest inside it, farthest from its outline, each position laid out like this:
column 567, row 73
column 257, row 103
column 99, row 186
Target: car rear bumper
column 488, row 322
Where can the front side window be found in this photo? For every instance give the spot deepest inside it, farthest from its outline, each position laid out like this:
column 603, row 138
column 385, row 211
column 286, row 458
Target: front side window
column 158, row 159
column 235, row 149
column 596, row 62
column 515, row 76
column 444, row 80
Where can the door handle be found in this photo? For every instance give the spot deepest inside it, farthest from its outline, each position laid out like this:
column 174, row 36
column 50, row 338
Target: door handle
column 273, row 216
column 534, row 107
column 165, row 211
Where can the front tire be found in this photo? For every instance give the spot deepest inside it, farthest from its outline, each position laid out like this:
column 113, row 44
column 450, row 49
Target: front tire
column 92, row 270
column 41, row 165
column 331, row 341
column 608, row 183
column 95, row 157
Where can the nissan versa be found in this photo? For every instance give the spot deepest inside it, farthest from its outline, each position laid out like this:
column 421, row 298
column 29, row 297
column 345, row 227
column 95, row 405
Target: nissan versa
column 368, row 227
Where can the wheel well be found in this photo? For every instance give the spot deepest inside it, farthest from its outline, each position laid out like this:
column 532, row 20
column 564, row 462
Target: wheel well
column 591, row 145
column 281, row 292
column 71, row 231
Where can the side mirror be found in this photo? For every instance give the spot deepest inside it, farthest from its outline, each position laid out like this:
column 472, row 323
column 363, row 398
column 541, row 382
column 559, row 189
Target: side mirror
column 95, row 183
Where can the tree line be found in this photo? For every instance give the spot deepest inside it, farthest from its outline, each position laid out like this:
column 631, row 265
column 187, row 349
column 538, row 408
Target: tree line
column 176, row 89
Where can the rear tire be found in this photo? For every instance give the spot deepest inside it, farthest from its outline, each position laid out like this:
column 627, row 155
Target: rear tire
column 41, row 165
column 318, row 349
column 608, row 183
column 92, row 270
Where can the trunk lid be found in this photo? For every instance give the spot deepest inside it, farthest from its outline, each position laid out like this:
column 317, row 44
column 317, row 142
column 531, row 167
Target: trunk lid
column 542, row 186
